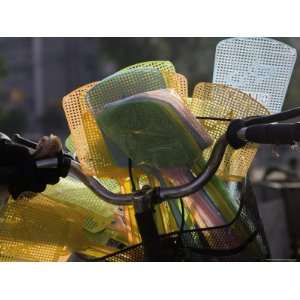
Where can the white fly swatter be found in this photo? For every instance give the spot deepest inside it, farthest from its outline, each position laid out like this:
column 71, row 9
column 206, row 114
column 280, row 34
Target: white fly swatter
column 259, row 66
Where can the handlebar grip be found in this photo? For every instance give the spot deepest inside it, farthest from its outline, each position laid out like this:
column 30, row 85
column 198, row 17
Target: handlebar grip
column 271, row 133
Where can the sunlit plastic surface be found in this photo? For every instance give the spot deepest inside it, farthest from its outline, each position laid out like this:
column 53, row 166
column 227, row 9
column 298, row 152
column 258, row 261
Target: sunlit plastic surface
column 30, row 232
column 87, row 139
column 175, row 81
column 124, row 84
column 161, row 65
column 261, row 67
column 135, row 125
column 178, row 83
column 74, row 194
column 220, row 101
column 41, row 227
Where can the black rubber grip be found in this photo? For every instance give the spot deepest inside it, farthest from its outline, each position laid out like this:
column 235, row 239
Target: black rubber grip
column 273, row 133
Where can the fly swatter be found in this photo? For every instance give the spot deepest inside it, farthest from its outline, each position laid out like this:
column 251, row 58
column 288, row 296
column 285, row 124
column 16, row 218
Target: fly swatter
column 97, row 216
column 216, row 105
column 175, row 81
column 30, row 231
column 259, row 66
column 86, row 138
column 39, row 228
column 135, row 125
column 97, row 213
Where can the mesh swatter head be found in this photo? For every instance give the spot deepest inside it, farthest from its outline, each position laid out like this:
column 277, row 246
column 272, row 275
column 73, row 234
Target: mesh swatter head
column 135, row 126
column 216, row 100
column 161, row 65
column 261, row 67
column 86, row 138
column 121, row 85
column 43, row 227
column 174, row 80
column 98, row 218
column 178, row 83
column 30, row 232
column 124, row 84
column 115, row 87
column 75, row 195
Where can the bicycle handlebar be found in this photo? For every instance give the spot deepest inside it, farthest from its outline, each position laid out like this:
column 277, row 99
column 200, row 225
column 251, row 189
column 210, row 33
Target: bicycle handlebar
column 161, row 194
column 99, row 189
column 238, row 134
column 271, row 133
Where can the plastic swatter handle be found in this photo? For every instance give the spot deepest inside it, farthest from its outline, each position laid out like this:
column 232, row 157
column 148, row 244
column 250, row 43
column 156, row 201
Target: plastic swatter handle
column 278, row 134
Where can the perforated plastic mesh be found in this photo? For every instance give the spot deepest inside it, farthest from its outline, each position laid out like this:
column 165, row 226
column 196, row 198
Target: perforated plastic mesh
column 134, row 124
column 216, row 100
column 92, row 152
column 174, row 80
column 76, row 196
column 259, row 66
column 86, row 136
column 178, row 83
column 43, row 227
column 122, row 85
column 73, row 110
column 28, row 232
column 161, row 65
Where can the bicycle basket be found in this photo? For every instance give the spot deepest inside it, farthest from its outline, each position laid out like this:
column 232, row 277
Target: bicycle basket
column 209, row 244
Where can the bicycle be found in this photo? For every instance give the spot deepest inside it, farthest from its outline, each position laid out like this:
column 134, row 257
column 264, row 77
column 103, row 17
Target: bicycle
column 188, row 245
column 240, row 238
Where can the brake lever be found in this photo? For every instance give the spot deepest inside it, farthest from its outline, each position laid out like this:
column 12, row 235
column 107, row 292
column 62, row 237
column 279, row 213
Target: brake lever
column 17, row 138
column 23, row 141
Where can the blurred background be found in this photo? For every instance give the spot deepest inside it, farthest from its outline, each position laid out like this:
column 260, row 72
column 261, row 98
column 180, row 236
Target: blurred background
column 35, row 73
